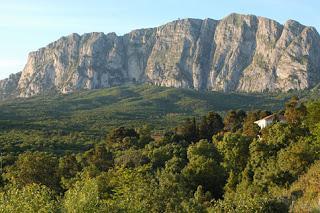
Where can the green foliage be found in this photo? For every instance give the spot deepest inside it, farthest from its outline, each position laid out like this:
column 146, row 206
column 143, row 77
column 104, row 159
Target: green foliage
column 205, row 164
column 210, row 125
column 84, row 196
column 131, row 158
column 235, row 151
column 295, row 111
column 233, row 120
column 313, row 114
column 68, row 168
column 189, row 130
column 245, row 203
column 204, row 169
column 71, row 123
column 34, row 167
column 99, row 157
column 159, row 155
column 29, row 199
column 306, row 191
column 137, row 191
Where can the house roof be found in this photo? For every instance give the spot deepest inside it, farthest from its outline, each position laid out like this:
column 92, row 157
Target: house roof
column 271, row 117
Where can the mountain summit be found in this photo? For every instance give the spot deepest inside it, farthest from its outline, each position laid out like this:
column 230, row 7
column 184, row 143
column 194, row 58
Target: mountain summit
column 238, row 53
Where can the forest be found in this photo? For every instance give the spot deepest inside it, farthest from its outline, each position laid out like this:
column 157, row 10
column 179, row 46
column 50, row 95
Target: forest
column 208, row 163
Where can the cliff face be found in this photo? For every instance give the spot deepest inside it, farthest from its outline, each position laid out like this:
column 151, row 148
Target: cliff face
column 238, row 53
column 8, row 86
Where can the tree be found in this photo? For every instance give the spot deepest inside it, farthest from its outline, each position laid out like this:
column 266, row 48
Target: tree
column 99, row 157
column 122, row 138
column 144, row 136
column 131, row 158
column 305, row 192
column 35, row 167
column 160, row 155
column 204, row 169
column 215, row 123
column 210, row 125
column 84, row 196
column 233, row 120
column 203, row 128
column 30, row 198
column 68, row 168
column 235, row 151
column 189, row 130
column 294, row 111
column 313, row 114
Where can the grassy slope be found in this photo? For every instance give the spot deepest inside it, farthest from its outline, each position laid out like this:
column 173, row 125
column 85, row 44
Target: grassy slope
column 127, row 105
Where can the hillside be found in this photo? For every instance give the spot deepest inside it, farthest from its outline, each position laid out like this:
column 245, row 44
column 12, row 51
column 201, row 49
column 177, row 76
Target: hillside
column 126, row 105
column 68, row 122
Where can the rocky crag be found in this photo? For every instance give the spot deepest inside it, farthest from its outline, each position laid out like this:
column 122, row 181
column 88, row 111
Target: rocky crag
column 238, row 53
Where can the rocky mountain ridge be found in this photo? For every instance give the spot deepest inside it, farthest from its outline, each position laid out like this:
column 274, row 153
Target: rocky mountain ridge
column 237, row 53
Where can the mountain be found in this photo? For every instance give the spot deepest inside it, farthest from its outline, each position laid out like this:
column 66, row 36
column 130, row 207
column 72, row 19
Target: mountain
column 238, row 53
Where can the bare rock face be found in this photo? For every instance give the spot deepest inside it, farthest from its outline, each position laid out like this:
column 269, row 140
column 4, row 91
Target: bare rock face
column 238, row 53
column 8, row 86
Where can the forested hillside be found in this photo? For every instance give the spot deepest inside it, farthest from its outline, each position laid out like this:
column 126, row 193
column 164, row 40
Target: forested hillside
column 60, row 123
column 102, row 151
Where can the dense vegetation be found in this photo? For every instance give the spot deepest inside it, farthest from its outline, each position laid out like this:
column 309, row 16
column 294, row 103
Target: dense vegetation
column 73, row 123
column 206, row 159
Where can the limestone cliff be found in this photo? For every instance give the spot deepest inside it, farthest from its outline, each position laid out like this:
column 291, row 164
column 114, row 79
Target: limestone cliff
column 238, row 53
column 8, row 86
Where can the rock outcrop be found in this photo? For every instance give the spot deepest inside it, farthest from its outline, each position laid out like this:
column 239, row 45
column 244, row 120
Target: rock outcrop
column 8, row 86
column 238, row 53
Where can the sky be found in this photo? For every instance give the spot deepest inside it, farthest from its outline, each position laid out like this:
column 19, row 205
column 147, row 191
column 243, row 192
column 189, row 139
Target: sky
column 26, row 26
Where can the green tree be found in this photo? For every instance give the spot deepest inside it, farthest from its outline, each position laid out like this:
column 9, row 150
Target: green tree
column 313, row 114
column 84, row 196
column 203, row 128
column 68, row 168
column 235, row 151
column 204, row 168
column 215, row 124
column 34, row 167
column 233, row 120
column 210, row 125
column 131, row 158
column 282, row 154
column 100, row 157
column 189, row 130
column 294, row 111
column 160, row 155
column 305, row 192
column 122, row 138
column 30, row 198
column 144, row 136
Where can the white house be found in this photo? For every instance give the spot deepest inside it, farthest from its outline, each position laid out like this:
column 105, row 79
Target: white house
column 267, row 121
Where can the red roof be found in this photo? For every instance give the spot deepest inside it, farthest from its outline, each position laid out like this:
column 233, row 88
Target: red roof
column 269, row 117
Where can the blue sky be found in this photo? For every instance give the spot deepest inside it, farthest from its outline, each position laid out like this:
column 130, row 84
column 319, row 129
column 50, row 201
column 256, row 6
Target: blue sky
column 28, row 25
